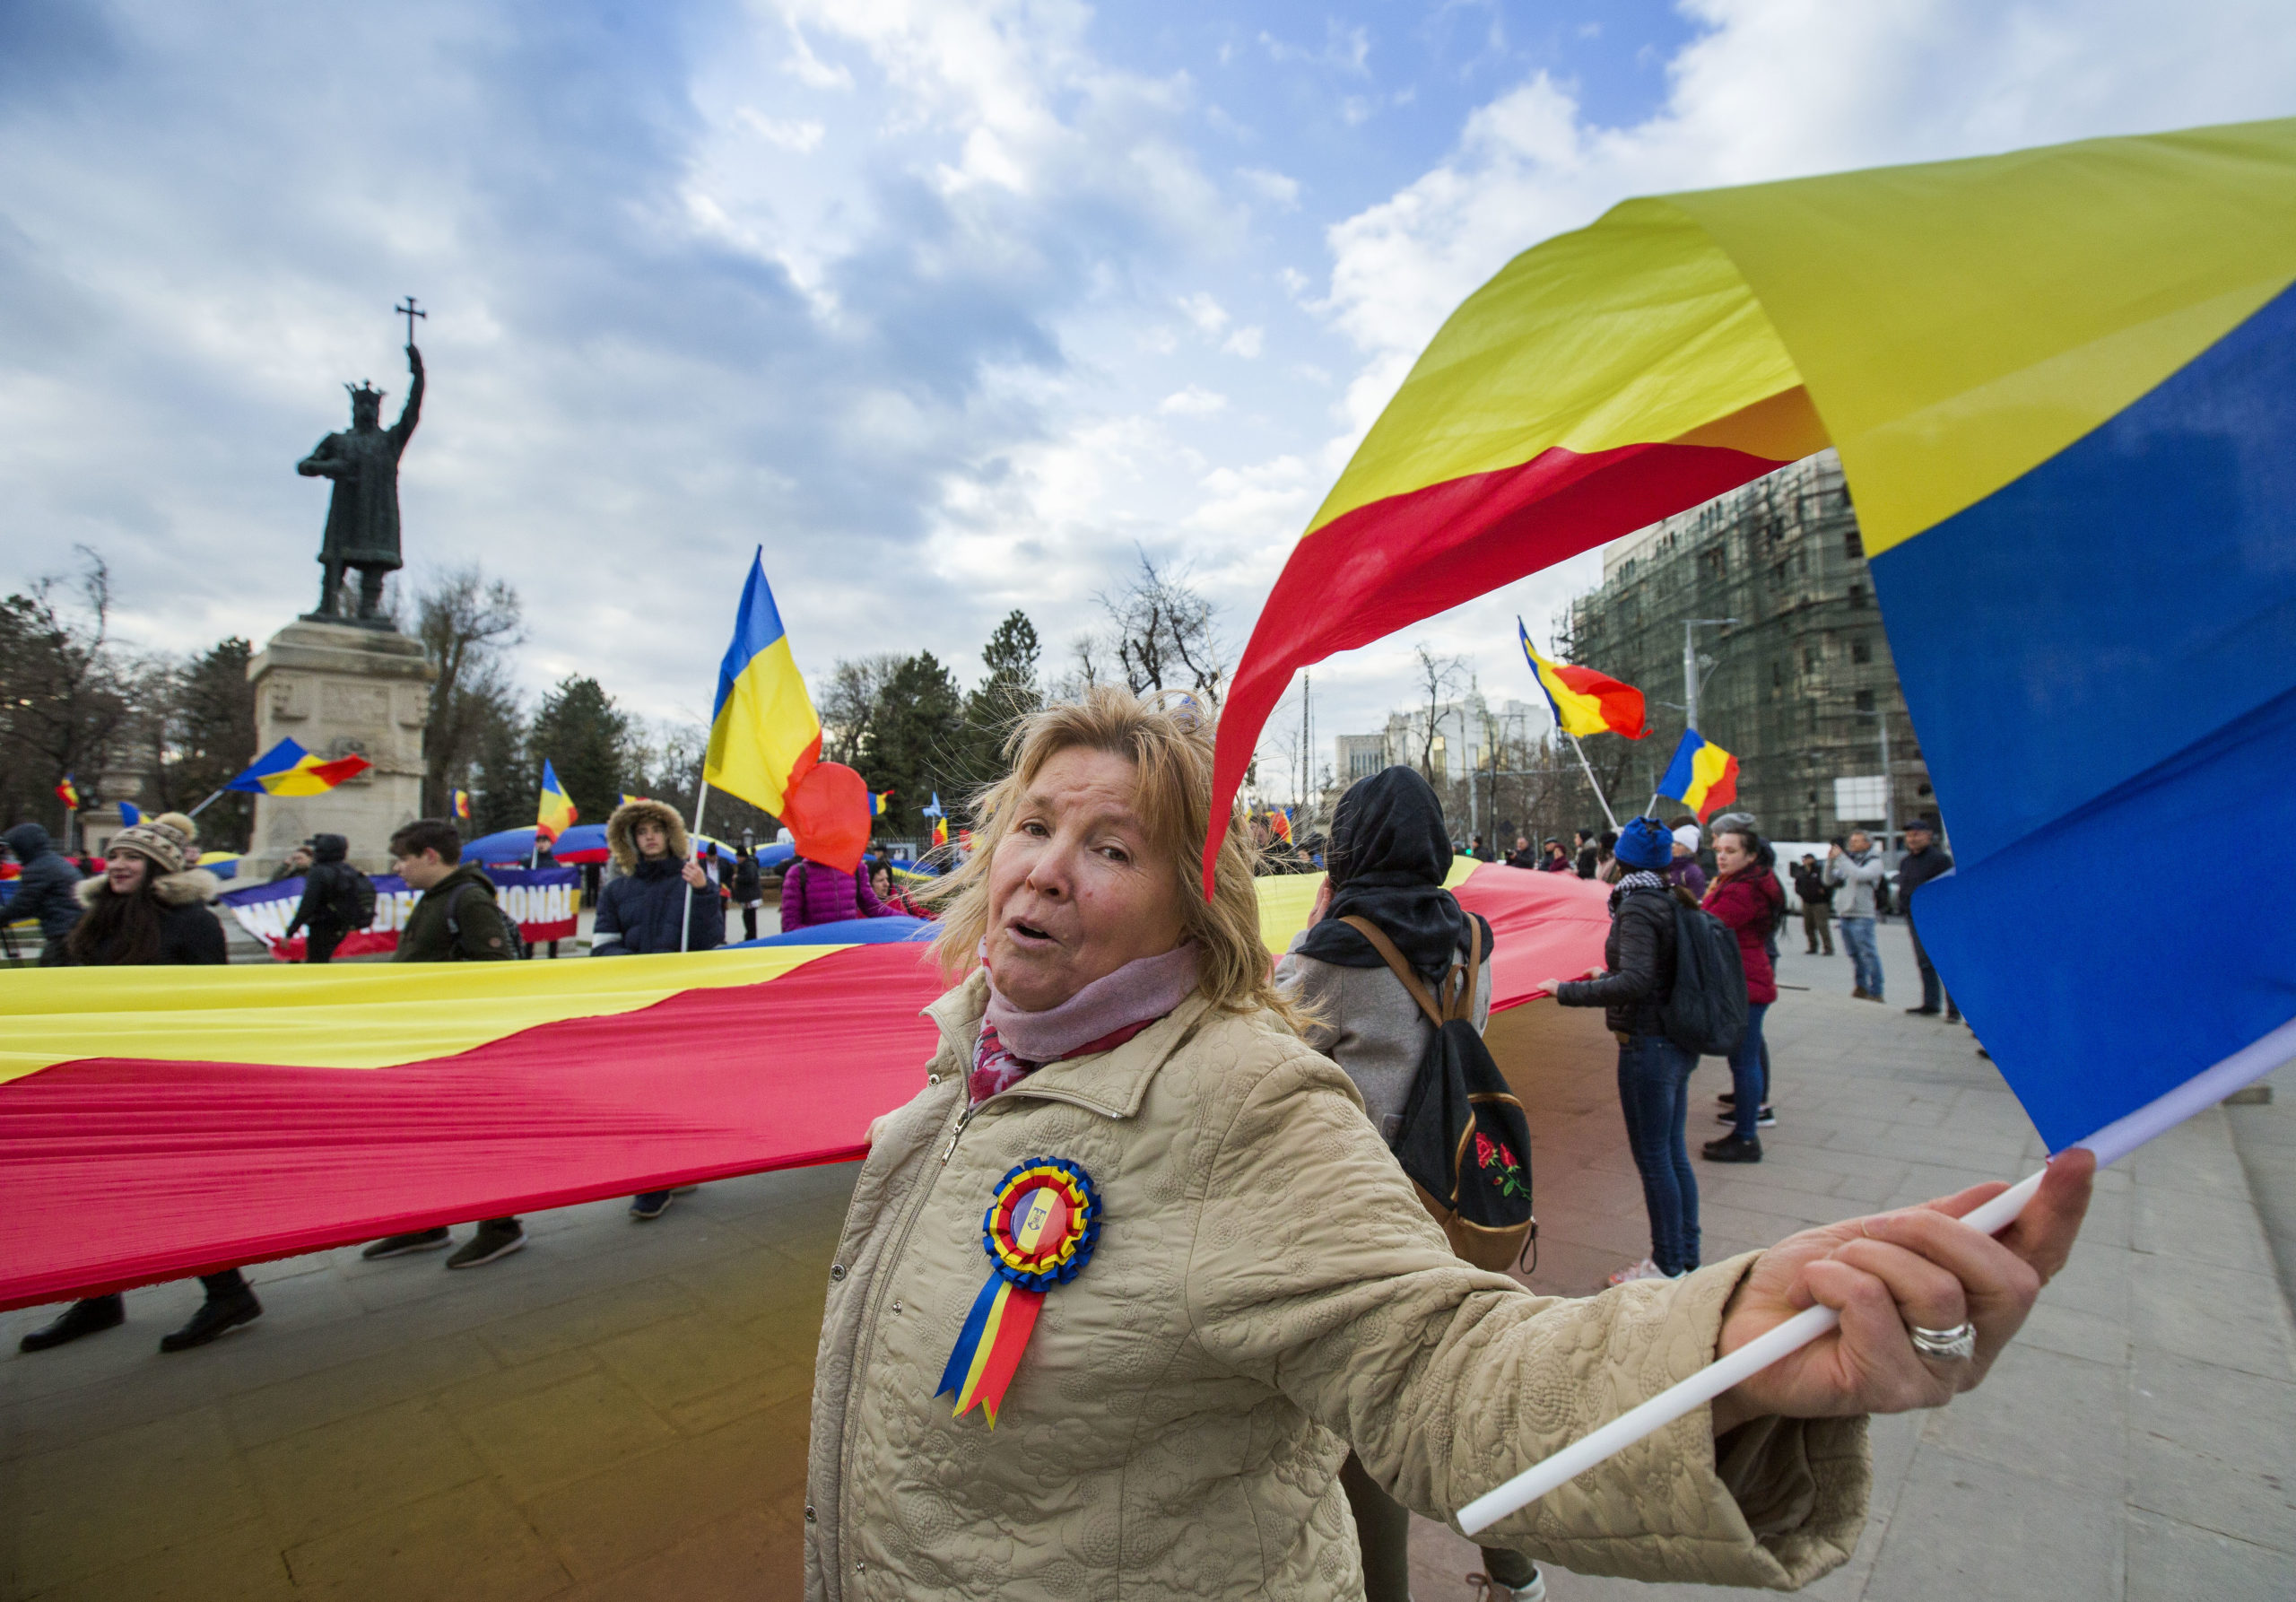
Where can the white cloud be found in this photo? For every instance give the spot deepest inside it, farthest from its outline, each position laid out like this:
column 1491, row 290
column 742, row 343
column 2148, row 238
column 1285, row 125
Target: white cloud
column 1271, row 186
column 1195, row 401
column 1207, row 313
column 800, row 136
column 1245, row 343
column 810, row 69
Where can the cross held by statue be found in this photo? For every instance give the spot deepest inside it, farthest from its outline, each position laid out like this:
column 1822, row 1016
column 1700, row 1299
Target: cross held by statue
column 410, row 312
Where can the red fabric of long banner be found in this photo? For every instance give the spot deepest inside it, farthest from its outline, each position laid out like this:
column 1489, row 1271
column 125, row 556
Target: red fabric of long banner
column 124, row 1172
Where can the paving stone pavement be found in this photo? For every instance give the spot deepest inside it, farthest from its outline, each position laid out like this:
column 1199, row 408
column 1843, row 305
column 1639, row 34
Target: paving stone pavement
column 620, row 1410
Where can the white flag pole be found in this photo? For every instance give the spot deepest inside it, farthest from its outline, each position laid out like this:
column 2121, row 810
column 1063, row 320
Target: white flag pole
column 685, row 927
column 2110, row 1144
column 1591, row 781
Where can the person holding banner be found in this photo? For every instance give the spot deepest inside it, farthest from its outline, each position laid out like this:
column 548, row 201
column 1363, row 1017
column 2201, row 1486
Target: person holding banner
column 1243, row 1285
column 151, row 907
column 457, row 920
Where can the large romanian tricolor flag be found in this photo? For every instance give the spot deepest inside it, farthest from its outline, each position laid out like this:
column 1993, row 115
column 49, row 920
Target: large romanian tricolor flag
column 289, row 770
column 2063, row 385
column 1584, row 702
column 1702, row 776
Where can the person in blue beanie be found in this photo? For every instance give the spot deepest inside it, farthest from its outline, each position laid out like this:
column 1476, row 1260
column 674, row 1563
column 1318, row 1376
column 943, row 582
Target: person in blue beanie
column 1653, row 1072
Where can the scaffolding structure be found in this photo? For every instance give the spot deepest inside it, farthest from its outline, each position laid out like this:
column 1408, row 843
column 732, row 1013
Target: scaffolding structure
column 1756, row 614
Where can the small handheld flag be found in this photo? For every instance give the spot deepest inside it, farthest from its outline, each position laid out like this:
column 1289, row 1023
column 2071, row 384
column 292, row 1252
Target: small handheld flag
column 932, row 809
column 1584, row 702
column 1702, row 776
column 879, row 800
column 68, row 793
column 1279, row 823
column 556, row 813
column 288, row 770
column 462, row 805
column 940, row 831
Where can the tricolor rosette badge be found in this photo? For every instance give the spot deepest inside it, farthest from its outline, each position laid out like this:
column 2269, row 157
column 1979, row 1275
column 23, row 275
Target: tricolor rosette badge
column 1038, row 1231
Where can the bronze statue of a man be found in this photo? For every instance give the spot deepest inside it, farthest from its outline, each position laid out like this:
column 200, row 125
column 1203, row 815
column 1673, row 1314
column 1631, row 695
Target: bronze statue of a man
column 363, row 518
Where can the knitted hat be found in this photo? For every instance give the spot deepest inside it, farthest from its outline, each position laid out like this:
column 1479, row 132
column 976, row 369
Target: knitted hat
column 1687, row 838
column 165, row 840
column 1644, row 843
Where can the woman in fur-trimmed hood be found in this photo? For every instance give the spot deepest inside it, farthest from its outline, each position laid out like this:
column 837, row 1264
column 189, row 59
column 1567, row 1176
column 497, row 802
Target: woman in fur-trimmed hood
column 152, row 904
column 658, row 889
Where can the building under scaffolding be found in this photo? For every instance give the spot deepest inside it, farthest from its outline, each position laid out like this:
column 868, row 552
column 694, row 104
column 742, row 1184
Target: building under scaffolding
column 1769, row 585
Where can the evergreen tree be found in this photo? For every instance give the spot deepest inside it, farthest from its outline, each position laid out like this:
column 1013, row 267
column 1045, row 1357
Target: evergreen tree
column 915, row 744
column 1009, row 692
column 206, row 738
column 586, row 740
column 502, row 785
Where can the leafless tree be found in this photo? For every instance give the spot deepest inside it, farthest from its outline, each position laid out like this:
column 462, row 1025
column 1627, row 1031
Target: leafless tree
column 467, row 624
column 857, row 688
column 1161, row 634
column 1438, row 681
column 64, row 691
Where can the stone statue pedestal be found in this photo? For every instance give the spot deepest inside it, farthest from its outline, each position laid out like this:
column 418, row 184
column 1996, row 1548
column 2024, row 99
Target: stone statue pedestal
column 336, row 690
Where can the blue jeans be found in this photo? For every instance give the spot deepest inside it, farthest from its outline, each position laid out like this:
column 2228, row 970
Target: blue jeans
column 1750, row 1072
column 1654, row 1093
column 1865, row 961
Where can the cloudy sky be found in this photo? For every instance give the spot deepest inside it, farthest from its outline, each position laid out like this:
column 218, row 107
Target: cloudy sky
column 950, row 304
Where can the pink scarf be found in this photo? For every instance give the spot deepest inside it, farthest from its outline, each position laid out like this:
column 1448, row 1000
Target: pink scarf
column 1099, row 1017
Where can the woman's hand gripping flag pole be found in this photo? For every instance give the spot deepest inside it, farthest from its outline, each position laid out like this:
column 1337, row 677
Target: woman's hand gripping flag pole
column 2109, row 1144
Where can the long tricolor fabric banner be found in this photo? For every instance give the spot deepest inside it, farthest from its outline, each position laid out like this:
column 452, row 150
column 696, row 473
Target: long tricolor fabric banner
column 2063, row 385
column 156, row 1122
column 543, row 903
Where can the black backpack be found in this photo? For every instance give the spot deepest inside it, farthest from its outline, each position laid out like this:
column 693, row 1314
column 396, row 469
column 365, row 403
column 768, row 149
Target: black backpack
column 1705, row 1013
column 1465, row 1141
column 353, row 898
column 455, row 923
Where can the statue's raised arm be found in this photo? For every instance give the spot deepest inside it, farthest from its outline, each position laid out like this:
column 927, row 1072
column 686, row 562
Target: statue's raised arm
column 411, row 412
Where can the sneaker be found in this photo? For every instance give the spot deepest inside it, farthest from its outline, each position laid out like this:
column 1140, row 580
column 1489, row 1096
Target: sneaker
column 487, row 1245
column 398, row 1246
column 218, row 1315
column 1731, row 1148
column 1921, row 1011
column 1728, row 1098
column 651, row 1206
column 1645, row 1269
column 1765, row 1118
column 1487, row 1589
column 91, row 1317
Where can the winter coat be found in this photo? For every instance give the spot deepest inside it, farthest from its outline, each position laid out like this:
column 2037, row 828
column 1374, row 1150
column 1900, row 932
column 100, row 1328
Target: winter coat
column 483, row 932
column 326, row 887
column 1748, row 902
column 1265, row 1291
column 811, row 893
column 1685, row 872
column 1590, row 860
column 1639, row 951
column 1555, row 865
column 1861, row 876
column 1366, row 1022
column 1917, row 868
column 189, row 933
column 47, row 888
column 1810, row 885
column 643, row 911
column 744, row 884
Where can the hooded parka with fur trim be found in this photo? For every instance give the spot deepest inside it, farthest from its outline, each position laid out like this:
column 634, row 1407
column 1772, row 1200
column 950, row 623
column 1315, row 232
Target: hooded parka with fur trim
column 189, row 932
column 1266, row 1290
column 640, row 911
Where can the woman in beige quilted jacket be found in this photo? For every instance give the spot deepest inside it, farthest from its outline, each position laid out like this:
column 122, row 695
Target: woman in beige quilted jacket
column 1260, row 1290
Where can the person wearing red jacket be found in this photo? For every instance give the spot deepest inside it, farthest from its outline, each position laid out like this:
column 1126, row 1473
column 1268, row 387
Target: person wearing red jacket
column 1746, row 896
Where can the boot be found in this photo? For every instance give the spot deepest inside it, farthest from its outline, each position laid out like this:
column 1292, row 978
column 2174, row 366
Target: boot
column 218, row 1315
column 96, row 1314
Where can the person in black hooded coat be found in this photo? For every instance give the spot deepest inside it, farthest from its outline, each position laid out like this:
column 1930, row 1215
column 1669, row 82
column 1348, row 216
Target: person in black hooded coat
column 48, row 889
column 330, row 886
column 1387, row 858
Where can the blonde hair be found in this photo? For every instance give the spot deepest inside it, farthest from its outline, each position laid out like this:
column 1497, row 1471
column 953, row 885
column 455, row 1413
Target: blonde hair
column 1168, row 740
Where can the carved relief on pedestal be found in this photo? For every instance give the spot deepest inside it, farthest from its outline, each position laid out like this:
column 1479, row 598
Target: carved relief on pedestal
column 345, row 701
column 289, row 696
column 414, row 705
